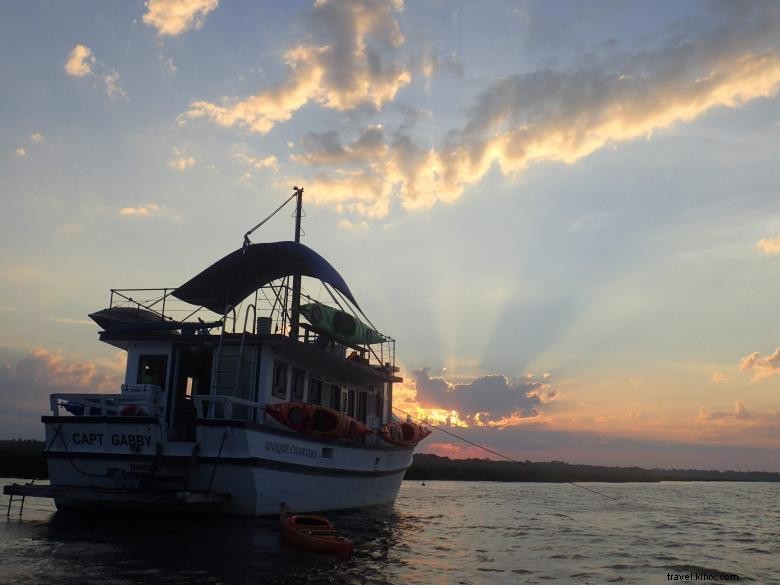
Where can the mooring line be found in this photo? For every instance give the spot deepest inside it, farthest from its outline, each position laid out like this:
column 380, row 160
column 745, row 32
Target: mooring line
column 465, row 440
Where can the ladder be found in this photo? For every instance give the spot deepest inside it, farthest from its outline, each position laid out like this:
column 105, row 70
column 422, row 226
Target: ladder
column 20, row 499
column 231, row 362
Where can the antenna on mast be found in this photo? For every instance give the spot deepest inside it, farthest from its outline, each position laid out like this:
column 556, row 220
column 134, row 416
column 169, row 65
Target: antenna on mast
column 296, row 298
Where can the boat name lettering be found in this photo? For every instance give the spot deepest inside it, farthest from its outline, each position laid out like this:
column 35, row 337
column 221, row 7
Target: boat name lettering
column 88, row 439
column 131, row 440
column 286, row 448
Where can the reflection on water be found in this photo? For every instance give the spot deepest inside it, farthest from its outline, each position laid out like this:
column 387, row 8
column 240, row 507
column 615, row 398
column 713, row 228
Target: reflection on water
column 443, row 532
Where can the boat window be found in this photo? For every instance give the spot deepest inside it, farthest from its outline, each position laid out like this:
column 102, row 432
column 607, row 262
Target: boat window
column 315, row 391
column 335, row 396
column 151, row 369
column 279, row 389
column 379, row 402
column 362, row 406
column 351, row 403
column 296, row 389
column 343, row 405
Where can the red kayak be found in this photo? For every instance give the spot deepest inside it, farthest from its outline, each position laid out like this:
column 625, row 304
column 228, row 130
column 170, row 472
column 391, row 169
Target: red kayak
column 315, row 534
column 403, row 434
column 316, row 420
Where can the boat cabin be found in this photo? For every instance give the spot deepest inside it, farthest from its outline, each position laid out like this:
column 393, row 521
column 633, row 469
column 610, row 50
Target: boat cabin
column 231, row 341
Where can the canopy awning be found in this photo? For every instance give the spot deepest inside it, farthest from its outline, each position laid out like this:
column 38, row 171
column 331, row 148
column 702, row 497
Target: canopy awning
column 233, row 278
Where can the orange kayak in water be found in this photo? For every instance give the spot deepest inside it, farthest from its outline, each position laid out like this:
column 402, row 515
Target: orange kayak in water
column 315, row 534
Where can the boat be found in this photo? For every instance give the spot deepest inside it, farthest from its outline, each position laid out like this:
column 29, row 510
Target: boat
column 314, row 534
column 235, row 399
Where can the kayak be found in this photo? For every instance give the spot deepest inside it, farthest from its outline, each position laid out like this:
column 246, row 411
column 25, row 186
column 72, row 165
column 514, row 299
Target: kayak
column 315, row 534
column 316, row 420
column 403, row 434
column 339, row 325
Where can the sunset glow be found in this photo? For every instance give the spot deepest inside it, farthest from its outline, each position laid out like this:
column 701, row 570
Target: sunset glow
column 565, row 213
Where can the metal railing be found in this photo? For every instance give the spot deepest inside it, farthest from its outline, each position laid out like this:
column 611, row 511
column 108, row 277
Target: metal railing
column 130, row 404
column 223, row 406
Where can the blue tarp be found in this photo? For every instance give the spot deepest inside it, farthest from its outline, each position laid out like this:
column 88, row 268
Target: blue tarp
column 229, row 281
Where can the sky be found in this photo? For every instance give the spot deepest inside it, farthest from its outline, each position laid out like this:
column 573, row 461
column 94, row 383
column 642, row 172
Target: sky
column 566, row 213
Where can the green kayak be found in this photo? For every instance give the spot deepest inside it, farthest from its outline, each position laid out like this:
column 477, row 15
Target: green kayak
column 339, row 325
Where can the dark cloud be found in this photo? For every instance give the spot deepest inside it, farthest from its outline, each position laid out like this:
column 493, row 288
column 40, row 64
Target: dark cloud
column 28, row 378
column 326, row 147
column 536, row 443
column 486, row 399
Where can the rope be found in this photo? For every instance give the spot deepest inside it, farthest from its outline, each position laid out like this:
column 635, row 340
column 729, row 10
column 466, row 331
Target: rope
column 246, row 235
column 465, row 440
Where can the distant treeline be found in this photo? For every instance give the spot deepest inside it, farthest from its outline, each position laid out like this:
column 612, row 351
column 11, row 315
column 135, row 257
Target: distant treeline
column 432, row 467
column 23, row 458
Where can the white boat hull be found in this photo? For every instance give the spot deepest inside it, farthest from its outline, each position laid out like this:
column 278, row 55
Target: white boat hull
column 257, row 467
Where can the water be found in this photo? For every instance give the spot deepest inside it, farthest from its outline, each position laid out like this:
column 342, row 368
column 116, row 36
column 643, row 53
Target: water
column 440, row 533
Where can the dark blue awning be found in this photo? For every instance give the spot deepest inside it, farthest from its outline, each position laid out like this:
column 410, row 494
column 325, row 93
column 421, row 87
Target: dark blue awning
column 229, row 281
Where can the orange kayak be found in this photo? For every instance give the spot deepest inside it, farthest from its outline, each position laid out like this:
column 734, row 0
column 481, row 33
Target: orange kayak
column 316, row 420
column 315, row 534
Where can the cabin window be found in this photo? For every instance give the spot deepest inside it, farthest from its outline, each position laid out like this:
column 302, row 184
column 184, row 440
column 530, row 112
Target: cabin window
column 151, row 369
column 362, row 406
column 279, row 389
column 296, row 389
column 335, row 397
column 379, row 403
column 351, row 403
column 343, row 405
column 315, row 391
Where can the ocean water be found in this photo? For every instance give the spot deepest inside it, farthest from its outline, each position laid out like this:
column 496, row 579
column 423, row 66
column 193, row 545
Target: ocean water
column 437, row 532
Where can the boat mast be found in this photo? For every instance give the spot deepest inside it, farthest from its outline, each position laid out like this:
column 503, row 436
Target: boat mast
column 296, row 296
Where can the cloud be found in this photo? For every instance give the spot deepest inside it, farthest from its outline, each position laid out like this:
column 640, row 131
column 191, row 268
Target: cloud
column 720, row 378
column 148, row 210
column 268, row 162
column 168, row 63
column 566, row 114
column 20, row 152
column 432, row 64
column 180, row 160
column 113, row 88
column 490, row 400
column 764, row 367
column 353, row 226
column 741, row 413
column 326, row 148
column 27, row 378
column 769, row 245
column 80, row 61
column 734, row 446
column 349, row 63
column 173, row 17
